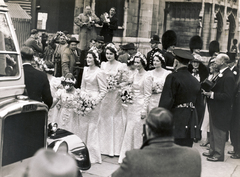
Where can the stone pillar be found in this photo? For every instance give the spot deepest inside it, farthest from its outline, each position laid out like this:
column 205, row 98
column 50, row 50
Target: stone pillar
column 224, row 37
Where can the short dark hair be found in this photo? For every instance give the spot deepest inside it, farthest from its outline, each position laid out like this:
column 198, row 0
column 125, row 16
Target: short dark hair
column 34, row 31
column 160, row 122
column 27, row 53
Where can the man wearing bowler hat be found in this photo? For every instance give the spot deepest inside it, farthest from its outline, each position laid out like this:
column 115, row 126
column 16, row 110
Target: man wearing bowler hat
column 130, row 49
column 155, row 41
column 159, row 156
column 71, row 60
column 182, row 96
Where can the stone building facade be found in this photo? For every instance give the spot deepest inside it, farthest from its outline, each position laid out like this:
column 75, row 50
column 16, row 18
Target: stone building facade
column 211, row 19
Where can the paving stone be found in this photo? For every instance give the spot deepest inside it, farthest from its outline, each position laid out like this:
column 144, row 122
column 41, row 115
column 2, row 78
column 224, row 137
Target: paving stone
column 113, row 160
column 101, row 170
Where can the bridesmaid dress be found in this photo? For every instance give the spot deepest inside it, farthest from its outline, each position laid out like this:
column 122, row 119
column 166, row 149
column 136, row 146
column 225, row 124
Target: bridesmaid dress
column 158, row 79
column 94, row 85
column 142, row 90
column 111, row 126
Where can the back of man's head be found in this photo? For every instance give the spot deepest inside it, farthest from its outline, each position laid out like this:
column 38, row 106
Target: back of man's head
column 27, row 53
column 160, row 122
column 48, row 163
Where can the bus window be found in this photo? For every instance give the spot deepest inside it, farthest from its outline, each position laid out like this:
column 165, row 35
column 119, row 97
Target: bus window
column 8, row 65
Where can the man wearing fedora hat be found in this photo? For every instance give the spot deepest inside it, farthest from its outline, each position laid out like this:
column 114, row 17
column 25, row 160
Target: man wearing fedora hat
column 129, row 50
column 159, row 156
column 71, row 60
column 182, row 96
column 155, row 41
column 47, row 163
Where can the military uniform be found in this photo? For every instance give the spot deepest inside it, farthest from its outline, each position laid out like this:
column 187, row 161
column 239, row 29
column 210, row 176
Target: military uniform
column 182, row 96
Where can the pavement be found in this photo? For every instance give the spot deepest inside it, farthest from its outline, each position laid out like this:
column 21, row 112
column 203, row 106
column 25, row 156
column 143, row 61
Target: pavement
column 228, row 168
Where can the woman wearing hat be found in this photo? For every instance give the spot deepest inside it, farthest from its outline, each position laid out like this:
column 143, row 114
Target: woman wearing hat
column 111, row 126
column 93, row 85
column 137, row 111
column 159, row 75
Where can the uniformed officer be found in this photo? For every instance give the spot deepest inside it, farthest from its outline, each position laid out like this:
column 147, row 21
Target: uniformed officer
column 182, row 96
column 155, row 41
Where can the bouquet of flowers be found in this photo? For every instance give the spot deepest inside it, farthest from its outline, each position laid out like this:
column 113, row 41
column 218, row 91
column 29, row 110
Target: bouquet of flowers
column 84, row 103
column 157, row 87
column 126, row 94
column 113, row 81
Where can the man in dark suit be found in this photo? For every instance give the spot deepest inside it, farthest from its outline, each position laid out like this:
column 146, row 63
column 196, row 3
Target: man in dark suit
column 109, row 25
column 182, row 96
column 159, row 156
column 220, row 102
column 37, row 84
column 155, row 41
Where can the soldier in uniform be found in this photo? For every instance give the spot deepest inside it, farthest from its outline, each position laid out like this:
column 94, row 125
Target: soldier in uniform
column 169, row 41
column 155, row 41
column 181, row 95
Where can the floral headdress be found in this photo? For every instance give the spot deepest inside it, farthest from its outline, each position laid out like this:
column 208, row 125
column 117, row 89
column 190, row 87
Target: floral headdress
column 140, row 55
column 159, row 55
column 95, row 51
column 68, row 80
column 111, row 45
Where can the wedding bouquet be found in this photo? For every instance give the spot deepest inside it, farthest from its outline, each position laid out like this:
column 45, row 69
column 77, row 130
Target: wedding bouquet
column 126, row 94
column 113, row 81
column 84, row 103
column 157, row 88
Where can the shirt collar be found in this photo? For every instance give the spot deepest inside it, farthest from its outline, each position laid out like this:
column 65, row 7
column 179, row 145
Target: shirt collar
column 222, row 70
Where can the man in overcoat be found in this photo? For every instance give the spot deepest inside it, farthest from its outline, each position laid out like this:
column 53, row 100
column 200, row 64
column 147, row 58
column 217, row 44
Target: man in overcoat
column 37, row 84
column 71, row 60
column 220, row 102
column 159, row 156
column 181, row 95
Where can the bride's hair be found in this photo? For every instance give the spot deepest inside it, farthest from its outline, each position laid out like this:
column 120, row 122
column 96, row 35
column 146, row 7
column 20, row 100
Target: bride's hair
column 95, row 57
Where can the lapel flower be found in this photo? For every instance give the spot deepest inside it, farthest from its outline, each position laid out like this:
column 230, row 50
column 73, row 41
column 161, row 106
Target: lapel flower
column 235, row 72
column 220, row 75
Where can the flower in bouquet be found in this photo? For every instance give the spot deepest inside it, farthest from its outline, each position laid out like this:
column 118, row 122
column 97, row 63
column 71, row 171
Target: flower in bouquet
column 157, row 88
column 105, row 18
column 126, row 94
column 85, row 104
column 112, row 82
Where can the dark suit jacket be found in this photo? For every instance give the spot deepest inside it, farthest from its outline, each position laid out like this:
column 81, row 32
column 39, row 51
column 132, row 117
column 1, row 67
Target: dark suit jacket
column 160, row 157
column 181, row 87
column 220, row 106
column 107, row 29
column 37, row 85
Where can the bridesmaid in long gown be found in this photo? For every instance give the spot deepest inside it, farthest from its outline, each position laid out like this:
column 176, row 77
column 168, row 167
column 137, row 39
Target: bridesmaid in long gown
column 159, row 75
column 111, row 126
column 94, row 85
column 137, row 112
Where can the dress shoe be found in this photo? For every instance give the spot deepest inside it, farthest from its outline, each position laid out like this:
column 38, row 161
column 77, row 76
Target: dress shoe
column 231, row 152
column 213, row 159
column 206, row 154
column 235, row 156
